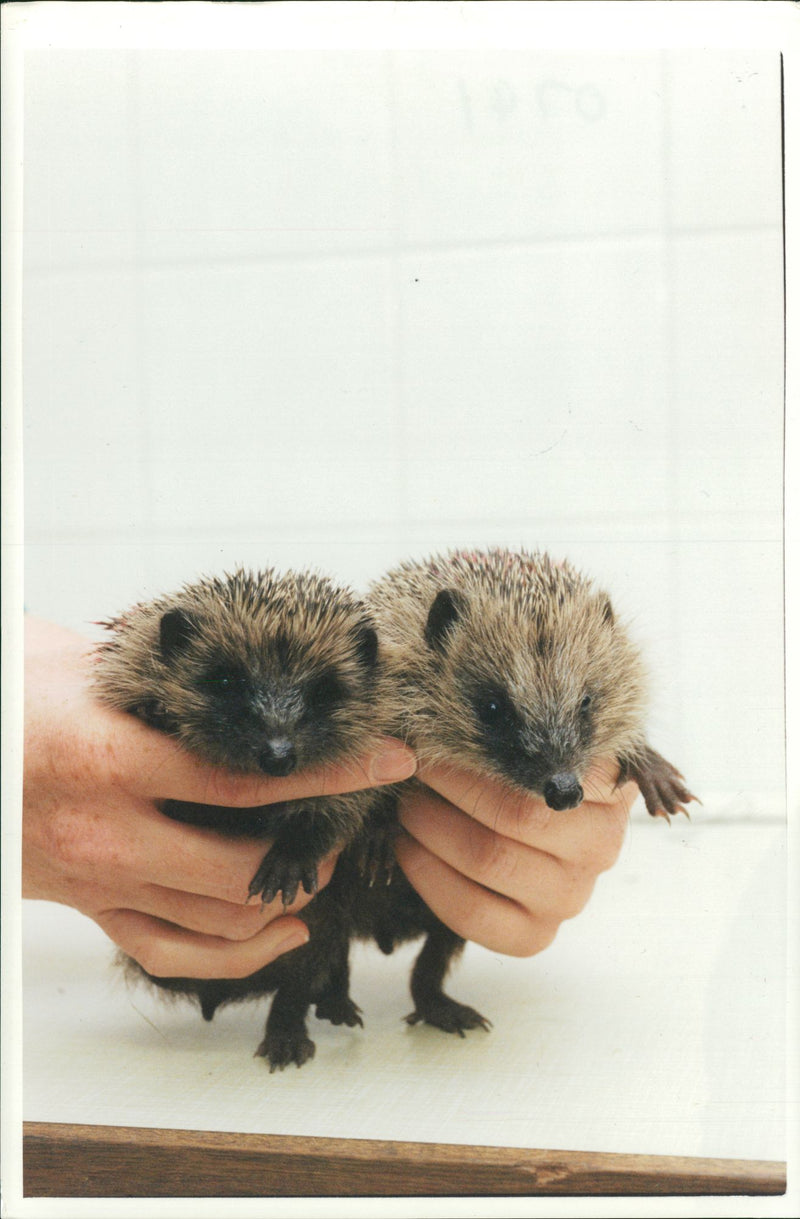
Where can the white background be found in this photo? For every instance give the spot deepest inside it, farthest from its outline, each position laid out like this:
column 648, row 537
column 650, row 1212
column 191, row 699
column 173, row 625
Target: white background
column 336, row 308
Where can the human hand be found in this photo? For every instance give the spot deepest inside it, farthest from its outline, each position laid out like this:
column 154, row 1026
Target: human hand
column 172, row 896
column 501, row 868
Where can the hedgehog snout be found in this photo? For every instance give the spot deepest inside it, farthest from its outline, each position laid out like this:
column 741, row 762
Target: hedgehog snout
column 278, row 757
column 563, row 791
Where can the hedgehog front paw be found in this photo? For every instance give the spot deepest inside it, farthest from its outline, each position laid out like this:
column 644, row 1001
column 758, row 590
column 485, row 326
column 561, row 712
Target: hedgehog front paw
column 663, row 787
column 282, row 873
column 378, row 859
column 445, row 1013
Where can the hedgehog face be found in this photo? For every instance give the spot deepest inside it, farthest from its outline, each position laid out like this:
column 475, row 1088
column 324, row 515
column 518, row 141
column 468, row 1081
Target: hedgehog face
column 255, row 672
column 527, row 697
column 545, row 759
column 265, row 703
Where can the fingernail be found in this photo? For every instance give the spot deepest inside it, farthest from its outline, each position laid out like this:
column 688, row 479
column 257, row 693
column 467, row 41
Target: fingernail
column 296, row 939
column 393, row 765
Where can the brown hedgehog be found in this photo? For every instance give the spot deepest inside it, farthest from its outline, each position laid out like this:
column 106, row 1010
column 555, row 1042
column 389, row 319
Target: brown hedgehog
column 515, row 666
column 265, row 674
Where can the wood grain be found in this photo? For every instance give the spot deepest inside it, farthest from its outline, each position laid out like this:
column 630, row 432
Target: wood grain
column 117, row 1162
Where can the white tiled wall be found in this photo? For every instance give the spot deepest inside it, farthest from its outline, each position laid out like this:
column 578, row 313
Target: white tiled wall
column 337, row 308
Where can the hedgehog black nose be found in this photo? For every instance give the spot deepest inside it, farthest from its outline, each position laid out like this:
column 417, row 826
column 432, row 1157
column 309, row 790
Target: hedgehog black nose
column 279, row 757
column 563, row 791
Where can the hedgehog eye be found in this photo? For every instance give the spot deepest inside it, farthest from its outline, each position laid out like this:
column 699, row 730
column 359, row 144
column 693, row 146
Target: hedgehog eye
column 324, row 692
column 586, row 702
column 493, row 709
column 224, row 681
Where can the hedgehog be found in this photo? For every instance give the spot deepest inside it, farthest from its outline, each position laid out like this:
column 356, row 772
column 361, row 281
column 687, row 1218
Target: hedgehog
column 517, row 667
column 265, row 674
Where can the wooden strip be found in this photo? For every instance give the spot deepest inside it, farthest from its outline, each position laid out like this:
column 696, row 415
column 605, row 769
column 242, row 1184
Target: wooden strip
column 116, row 1162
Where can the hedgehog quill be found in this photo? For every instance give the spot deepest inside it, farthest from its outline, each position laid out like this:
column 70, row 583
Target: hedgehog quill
column 265, row 674
column 506, row 663
column 516, row 667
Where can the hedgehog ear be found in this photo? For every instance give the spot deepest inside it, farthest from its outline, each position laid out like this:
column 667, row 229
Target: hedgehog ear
column 607, row 610
column 447, row 608
column 367, row 645
column 175, row 631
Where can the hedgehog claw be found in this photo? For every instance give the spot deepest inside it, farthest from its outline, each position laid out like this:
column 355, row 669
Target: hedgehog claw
column 446, row 1014
column 285, row 876
column 257, row 890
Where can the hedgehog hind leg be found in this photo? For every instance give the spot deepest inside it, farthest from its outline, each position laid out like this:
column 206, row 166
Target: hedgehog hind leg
column 432, row 1005
column 662, row 786
column 316, row 973
column 286, row 1037
column 332, row 995
column 339, row 1008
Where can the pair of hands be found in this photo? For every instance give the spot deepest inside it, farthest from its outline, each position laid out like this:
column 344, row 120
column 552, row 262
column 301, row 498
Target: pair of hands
column 497, row 867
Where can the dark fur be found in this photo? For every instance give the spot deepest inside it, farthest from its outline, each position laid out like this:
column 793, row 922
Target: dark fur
column 266, row 674
column 517, row 667
column 487, row 661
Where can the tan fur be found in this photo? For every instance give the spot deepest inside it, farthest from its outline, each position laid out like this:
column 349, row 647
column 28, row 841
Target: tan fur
column 516, row 667
column 253, row 672
column 239, row 618
column 539, row 627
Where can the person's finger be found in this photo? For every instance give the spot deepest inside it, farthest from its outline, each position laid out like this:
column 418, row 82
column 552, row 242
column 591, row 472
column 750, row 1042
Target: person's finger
column 137, row 845
column 167, row 951
column 151, row 764
column 209, row 915
column 535, row 879
column 196, row 860
column 593, row 831
column 469, row 909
